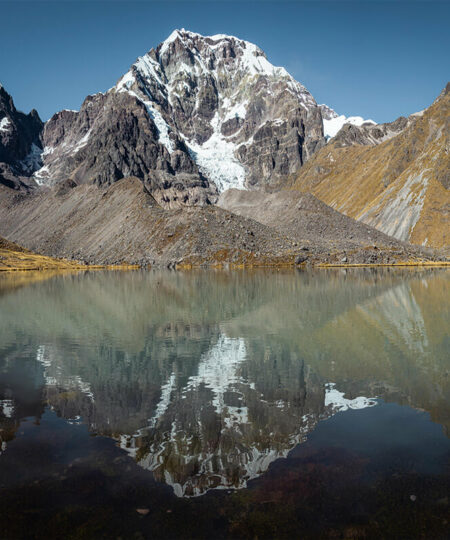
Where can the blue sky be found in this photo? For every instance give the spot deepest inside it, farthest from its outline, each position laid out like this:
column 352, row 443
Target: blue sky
column 379, row 60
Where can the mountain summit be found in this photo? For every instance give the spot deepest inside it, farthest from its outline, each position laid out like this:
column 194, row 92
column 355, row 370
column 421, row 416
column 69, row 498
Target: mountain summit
column 191, row 118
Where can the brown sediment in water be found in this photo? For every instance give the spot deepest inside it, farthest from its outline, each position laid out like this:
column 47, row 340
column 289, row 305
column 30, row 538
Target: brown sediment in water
column 437, row 264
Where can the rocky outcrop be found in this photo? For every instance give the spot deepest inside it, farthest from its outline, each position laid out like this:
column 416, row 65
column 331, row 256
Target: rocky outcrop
column 327, row 112
column 113, row 136
column 20, row 146
column 190, row 118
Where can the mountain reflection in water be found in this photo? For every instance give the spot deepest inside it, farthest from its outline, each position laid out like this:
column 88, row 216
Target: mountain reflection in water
column 205, row 378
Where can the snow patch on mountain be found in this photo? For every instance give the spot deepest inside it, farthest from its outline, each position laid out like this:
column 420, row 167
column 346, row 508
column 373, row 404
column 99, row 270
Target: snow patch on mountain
column 82, row 142
column 333, row 125
column 163, row 128
column 5, row 124
column 239, row 110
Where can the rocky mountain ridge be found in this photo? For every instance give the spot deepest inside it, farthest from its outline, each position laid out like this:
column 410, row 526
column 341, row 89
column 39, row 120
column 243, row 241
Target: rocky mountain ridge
column 20, row 146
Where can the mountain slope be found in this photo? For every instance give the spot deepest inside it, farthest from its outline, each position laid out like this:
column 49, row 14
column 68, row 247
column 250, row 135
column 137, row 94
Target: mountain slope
column 400, row 185
column 303, row 215
column 190, row 118
column 123, row 223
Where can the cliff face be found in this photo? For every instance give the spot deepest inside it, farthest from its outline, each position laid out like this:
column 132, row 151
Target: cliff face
column 20, row 146
column 394, row 177
column 191, row 118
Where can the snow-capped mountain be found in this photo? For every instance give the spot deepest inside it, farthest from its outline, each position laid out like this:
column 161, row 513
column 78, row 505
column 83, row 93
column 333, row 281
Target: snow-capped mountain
column 333, row 122
column 191, row 118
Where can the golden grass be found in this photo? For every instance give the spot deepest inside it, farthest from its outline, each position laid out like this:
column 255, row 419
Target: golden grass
column 362, row 181
column 26, row 261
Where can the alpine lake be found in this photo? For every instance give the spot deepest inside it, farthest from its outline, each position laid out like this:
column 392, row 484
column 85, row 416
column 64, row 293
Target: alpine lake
column 225, row 404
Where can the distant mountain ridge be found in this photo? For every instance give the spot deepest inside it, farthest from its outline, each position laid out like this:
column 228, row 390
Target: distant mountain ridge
column 333, row 122
column 394, row 177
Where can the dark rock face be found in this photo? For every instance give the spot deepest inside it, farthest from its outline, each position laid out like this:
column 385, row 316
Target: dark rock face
column 191, row 118
column 113, row 137
column 20, row 146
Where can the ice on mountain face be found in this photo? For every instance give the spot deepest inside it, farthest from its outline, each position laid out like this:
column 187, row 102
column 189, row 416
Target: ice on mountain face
column 33, row 161
column 164, row 78
column 251, row 59
column 125, row 82
column 149, row 68
column 42, row 175
column 48, row 150
column 239, row 110
column 124, row 85
column 161, row 125
column 216, row 160
column 82, row 142
column 173, row 36
column 332, row 126
column 5, row 124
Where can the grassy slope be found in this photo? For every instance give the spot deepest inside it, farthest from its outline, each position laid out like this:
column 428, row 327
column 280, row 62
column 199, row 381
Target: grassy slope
column 398, row 186
column 14, row 257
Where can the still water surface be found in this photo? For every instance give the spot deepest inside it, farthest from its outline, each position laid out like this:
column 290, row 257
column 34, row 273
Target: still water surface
column 225, row 404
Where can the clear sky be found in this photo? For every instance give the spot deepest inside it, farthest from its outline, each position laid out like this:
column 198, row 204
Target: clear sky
column 376, row 59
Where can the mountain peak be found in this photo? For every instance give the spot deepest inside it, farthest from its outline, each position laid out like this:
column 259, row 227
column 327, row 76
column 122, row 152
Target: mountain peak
column 213, row 111
column 233, row 50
